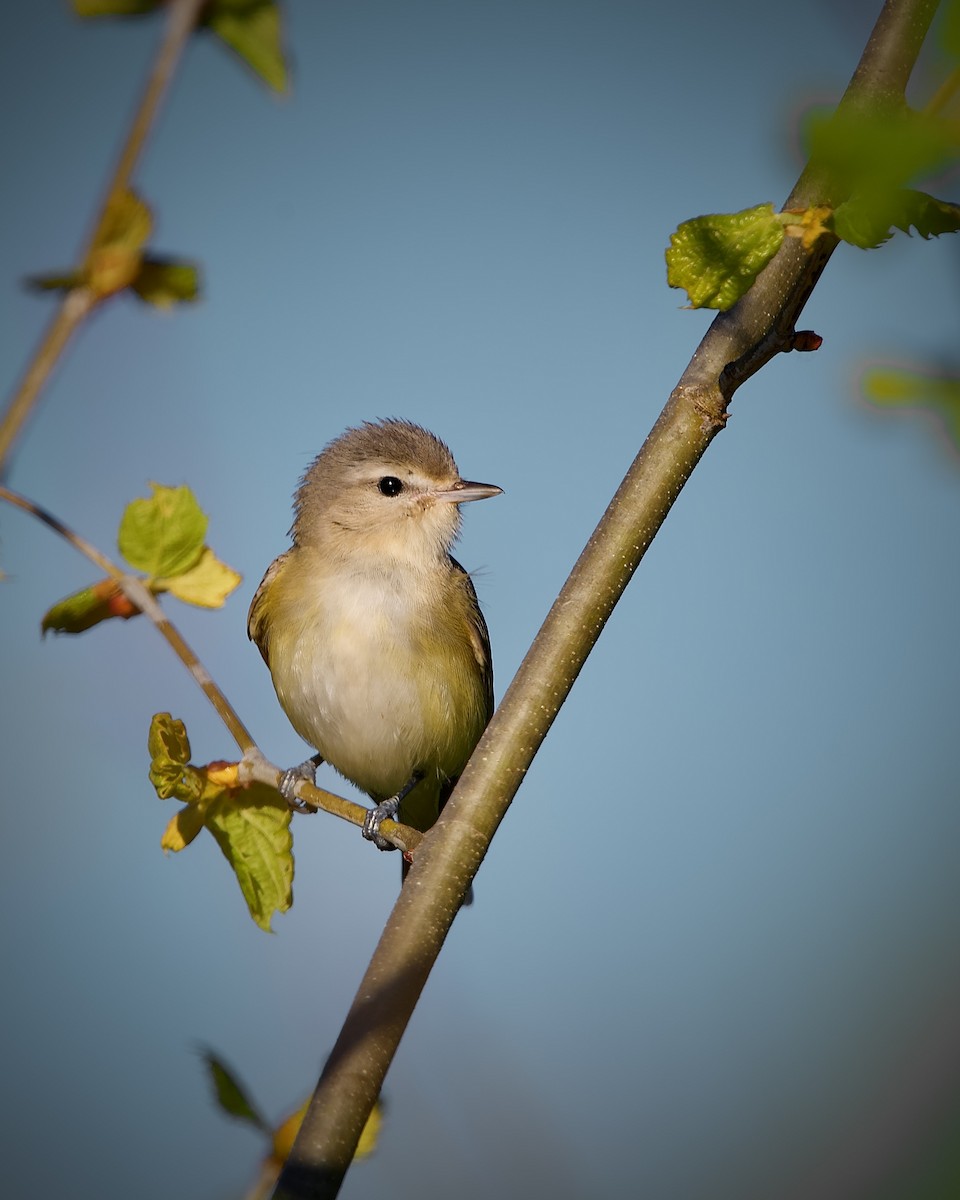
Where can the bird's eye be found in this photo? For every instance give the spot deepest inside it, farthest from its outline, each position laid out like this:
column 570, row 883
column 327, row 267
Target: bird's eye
column 390, row 485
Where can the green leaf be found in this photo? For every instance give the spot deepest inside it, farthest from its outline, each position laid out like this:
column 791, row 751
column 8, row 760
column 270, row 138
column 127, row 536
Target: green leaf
column 715, row 259
column 868, row 220
column 207, row 584
column 879, row 151
column 168, row 737
column 55, row 282
column 252, row 828
column 164, row 282
column 949, row 29
column 170, row 772
column 230, row 1094
column 251, row 28
column 114, row 8
column 88, row 607
column 117, row 252
column 164, row 534
column 895, row 387
column 250, row 822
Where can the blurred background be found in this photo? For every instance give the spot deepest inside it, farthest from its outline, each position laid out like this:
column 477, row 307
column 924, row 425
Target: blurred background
column 714, row 949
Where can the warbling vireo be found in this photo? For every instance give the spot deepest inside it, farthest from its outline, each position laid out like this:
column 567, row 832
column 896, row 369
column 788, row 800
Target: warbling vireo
column 372, row 632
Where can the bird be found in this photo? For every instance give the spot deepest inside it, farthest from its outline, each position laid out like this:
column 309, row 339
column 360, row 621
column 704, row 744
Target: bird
column 371, row 629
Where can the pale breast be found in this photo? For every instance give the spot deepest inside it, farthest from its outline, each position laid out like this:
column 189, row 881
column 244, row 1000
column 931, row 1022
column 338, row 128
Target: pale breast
column 375, row 671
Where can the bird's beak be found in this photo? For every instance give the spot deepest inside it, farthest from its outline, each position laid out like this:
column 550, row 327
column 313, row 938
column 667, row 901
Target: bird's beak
column 463, row 490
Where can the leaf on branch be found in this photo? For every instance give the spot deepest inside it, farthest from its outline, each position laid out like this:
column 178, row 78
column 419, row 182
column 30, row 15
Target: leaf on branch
column 896, row 387
column 88, row 607
column 286, row 1133
column 868, row 220
column 230, row 1093
column 868, row 151
column 116, row 255
column 170, row 771
column 715, row 259
column 164, row 282
column 55, row 282
column 250, row 822
column 163, row 535
column 949, row 28
column 206, row 584
column 114, row 8
column 808, row 224
column 252, row 828
column 251, row 28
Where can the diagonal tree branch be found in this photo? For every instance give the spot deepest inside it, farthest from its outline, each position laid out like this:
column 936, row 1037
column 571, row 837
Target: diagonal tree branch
column 735, row 347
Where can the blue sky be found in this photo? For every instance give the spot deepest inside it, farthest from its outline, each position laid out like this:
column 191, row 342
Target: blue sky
column 714, row 944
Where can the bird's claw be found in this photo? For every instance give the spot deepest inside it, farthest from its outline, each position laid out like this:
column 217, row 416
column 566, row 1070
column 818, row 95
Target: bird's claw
column 386, row 811
column 288, row 783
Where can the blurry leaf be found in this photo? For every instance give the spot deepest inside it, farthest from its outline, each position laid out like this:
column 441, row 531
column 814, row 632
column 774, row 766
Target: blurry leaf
column 286, row 1133
column 868, row 220
column 114, row 8
column 251, row 28
column 252, row 828
column 55, row 282
column 231, row 1097
column 207, row 584
column 163, row 535
column 715, row 259
column 949, row 28
column 895, row 387
column 881, row 151
column 115, row 256
column 164, row 282
column 88, row 607
column 251, row 823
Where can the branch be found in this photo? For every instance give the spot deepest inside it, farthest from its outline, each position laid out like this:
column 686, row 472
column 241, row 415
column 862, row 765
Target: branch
column 736, row 346
column 78, row 303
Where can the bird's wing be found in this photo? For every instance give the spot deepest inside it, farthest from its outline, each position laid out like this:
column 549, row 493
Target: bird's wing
column 479, row 635
column 256, row 625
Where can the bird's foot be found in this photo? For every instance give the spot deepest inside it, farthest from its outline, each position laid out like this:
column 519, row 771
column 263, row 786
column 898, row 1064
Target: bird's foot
column 289, row 779
column 386, row 811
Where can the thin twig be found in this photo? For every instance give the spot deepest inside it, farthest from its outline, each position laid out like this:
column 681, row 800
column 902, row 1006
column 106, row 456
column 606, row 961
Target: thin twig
column 78, row 303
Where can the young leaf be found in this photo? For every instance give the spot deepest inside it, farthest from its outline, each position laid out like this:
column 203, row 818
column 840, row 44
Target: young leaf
column 114, row 8
column 867, row 220
column 55, row 282
column 285, row 1134
column 715, row 259
column 181, row 830
column 231, row 1097
column 88, row 607
column 165, row 282
column 115, row 257
column 207, row 584
column 949, row 31
column 168, row 738
column 170, row 770
column 894, row 387
column 878, row 151
column 251, row 28
column 163, row 535
column 251, row 823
